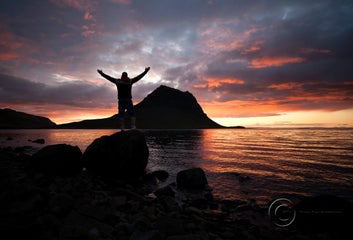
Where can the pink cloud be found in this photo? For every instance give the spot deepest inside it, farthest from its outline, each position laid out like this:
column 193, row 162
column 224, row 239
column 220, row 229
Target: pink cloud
column 274, row 61
column 88, row 7
column 87, row 30
column 14, row 47
column 313, row 50
column 285, row 86
column 88, row 16
column 82, row 5
column 256, row 46
column 7, row 56
column 122, row 1
column 217, row 82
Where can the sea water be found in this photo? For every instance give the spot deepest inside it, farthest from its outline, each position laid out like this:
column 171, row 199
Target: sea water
column 260, row 164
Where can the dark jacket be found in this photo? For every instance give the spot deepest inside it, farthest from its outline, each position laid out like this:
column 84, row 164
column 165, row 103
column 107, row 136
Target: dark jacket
column 124, row 88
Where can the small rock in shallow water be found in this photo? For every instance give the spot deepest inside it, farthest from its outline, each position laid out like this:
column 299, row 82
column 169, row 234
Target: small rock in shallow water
column 39, row 141
column 161, row 175
column 193, row 178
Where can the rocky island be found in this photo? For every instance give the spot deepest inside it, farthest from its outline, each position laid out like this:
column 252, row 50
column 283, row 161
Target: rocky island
column 164, row 108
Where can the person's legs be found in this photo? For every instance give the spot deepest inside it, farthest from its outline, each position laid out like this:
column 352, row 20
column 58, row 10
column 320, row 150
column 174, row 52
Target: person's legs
column 131, row 111
column 122, row 124
column 121, row 109
column 133, row 122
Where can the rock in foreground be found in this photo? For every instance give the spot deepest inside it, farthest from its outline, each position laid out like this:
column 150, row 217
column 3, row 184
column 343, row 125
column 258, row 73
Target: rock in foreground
column 122, row 155
column 58, row 160
column 193, row 178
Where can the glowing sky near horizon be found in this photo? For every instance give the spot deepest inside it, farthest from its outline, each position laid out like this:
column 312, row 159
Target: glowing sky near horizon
column 251, row 63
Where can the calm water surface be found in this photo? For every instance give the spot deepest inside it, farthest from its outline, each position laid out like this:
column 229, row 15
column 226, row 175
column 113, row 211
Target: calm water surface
column 243, row 164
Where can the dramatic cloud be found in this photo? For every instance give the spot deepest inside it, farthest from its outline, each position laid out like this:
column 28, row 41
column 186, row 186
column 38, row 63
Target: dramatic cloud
column 239, row 58
column 71, row 93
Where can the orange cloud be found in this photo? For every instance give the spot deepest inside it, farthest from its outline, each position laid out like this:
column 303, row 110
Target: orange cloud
column 87, row 30
column 88, row 7
column 216, row 82
column 88, row 16
column 6, row 56
column 285, row 86
column 274, row 61
column 313, row 50
column 13, row 47
column 254, row 48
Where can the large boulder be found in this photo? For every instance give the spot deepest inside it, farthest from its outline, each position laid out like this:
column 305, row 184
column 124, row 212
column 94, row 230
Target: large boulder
column 58, row 159
column 193, row 178
column 122, row 155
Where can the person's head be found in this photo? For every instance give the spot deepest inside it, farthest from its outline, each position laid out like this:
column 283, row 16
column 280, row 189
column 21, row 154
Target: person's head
column 124, row 75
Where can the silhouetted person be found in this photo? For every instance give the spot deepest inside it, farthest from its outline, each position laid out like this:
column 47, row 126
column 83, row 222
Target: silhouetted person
column 124, row 85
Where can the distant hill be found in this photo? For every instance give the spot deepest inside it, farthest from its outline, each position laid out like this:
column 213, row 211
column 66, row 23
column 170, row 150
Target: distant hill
column 164, row 108
column 11, row 119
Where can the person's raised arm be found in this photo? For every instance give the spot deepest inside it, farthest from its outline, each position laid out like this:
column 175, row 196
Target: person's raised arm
column 135, row 79
column 113, row 80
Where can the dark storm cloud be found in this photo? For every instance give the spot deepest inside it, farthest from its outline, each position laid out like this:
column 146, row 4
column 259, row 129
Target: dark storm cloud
column 80, row 94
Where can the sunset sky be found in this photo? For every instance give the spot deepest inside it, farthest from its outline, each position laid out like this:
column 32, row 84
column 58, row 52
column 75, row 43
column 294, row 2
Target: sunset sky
column 252, row 63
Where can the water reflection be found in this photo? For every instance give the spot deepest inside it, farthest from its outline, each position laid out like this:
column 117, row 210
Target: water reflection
column 272, row 162
column 76, row 137
column 174, row 150
column 239, row 163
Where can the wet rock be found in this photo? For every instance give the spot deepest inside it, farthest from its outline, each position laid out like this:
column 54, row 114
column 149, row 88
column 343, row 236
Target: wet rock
column 165, row 191
column 59, row 159
column 193, row 178
column 243, row 178
column 119, row 201
column 200, row 203
column 148, row 235
column 122, row 155
column 169, row 203
column 22, row 149
column 170, row 226
column 61, row 204
column 39, row 141
column 161, row 175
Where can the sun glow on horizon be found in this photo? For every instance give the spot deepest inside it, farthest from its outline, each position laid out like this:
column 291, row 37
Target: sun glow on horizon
column 343, row 118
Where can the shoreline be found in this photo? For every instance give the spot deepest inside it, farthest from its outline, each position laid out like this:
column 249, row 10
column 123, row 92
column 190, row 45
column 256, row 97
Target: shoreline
column 86, row 206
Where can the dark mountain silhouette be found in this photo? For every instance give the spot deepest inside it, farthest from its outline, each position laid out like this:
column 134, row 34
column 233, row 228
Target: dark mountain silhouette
column 164, row 108
column 11, row 119
column 167, row 107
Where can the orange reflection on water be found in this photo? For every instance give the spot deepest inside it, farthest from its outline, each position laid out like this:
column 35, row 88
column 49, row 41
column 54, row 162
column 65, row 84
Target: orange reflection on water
column 247, row 152
column 218, row 146
column 76, row 137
